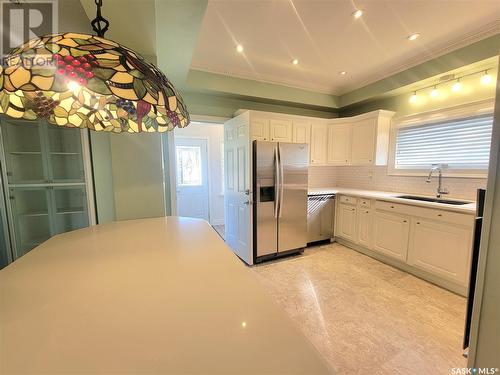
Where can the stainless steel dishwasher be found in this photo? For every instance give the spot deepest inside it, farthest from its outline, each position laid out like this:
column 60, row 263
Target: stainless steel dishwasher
column 320, row 217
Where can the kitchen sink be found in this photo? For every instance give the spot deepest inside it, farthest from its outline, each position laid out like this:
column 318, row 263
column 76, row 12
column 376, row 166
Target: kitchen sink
column 435, row 200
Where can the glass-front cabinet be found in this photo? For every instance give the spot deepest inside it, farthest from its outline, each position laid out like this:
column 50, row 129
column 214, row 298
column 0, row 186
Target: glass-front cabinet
column 44, row 173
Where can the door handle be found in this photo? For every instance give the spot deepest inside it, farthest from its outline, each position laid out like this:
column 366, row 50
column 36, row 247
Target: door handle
column 281, row 181
column 247, row 192
column 247, row 203
column 276, row 182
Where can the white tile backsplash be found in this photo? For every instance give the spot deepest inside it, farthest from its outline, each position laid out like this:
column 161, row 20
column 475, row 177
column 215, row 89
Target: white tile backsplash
column 376, row 178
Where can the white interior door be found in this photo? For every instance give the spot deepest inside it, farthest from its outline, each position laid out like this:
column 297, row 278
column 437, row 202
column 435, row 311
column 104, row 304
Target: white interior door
column 192, row 177
column 237, row 196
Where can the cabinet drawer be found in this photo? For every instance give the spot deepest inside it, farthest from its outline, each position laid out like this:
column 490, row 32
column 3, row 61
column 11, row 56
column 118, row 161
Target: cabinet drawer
column 364, row 203
column 348, row 200
column 391, row 207
column 427, row 213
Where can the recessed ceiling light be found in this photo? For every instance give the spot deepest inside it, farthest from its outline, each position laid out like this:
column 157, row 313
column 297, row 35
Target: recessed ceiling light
column 343, row 73
column 357, row 14
column 239, row 48
column 413, row 36
column 295, row 61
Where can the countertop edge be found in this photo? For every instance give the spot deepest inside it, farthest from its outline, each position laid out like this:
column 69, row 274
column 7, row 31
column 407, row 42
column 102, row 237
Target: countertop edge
column 392, row 197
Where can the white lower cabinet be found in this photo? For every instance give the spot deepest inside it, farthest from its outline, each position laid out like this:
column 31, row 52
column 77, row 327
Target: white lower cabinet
column 390, row 234
column 440, row 248
column 347, row 222
column 365, row 226
column 436, row 241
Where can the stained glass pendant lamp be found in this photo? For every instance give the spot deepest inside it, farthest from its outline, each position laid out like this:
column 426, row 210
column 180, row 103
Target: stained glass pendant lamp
column 87, row 81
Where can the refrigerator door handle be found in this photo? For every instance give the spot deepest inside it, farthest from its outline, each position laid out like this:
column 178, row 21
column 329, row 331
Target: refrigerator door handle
column 281, row 180
column 276, row 182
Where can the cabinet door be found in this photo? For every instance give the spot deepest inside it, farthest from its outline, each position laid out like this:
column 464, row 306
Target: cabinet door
column 339, row 144
column 365, row 225
column 70, row 208
column 24, row 156
column 31, row 216
column 442, row 249
column 281, row 130
column 301, row 132
column 64, row 154
column 390, row 235
column 363, row 141
column 259, row 130
column 318, row 143
column 347, row 222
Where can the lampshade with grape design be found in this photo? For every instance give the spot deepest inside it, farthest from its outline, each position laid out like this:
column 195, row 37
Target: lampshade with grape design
column 87, row 81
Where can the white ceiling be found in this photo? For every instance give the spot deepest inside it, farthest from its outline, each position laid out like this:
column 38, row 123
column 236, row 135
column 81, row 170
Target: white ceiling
column 326, row 39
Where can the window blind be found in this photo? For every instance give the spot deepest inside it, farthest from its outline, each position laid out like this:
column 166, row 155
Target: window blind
column 462, row 144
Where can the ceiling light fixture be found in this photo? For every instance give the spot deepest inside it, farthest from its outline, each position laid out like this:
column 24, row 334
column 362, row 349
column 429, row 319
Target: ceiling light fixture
column 486, row 78
column 357, row 14
column 86, row 81
column 295, row 61
column 413, row 97
column 343, row 73
column 413, row 36
column 435, row 92
column 457, row 86
column 239, row 48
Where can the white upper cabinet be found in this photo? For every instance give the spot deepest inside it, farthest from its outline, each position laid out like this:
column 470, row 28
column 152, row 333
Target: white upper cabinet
column 339, row 144
column 359, row 140
column 259, row 129
column 318, row 143
column 301, row 132
column 363, row 141
column 281, row 130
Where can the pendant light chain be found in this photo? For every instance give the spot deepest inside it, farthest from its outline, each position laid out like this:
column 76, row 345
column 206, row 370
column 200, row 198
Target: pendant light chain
column 99, row 24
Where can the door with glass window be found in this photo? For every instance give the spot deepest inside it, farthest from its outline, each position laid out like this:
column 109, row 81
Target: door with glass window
column 192, row 177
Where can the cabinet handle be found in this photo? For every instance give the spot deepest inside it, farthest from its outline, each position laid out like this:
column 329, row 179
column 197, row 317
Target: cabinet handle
column 404, row 221
column 418, row 222
column 392, row 206
column 367, row 212
column 440, row 215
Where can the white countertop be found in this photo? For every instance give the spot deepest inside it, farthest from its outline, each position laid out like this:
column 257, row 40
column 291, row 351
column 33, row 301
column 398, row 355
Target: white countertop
column 151, row 296
column 469, row 208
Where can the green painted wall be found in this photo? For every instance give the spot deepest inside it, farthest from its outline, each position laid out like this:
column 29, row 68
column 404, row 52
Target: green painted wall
column 226, row 106
column 137, row 175
column 472, row 90
column 473, row 53
column 103, row 176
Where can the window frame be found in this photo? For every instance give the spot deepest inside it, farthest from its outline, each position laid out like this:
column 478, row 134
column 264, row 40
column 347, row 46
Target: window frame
column 483, row 107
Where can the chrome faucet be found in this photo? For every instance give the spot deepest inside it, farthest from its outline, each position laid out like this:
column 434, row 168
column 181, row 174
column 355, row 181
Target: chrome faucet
column 438, row 167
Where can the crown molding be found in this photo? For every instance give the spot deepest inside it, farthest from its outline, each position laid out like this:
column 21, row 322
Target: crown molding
column 486, row 31
column 321, row 89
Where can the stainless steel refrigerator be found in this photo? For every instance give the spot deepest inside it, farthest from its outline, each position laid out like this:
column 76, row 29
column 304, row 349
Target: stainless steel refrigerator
column 280, row 173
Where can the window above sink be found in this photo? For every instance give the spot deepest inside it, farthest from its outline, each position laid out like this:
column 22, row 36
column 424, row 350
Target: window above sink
column 459, row 137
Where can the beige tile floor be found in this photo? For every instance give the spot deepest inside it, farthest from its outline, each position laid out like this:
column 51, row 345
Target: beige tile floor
column 366, row 317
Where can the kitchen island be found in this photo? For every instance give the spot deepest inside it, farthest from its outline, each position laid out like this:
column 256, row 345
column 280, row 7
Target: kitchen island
column 149, row 296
